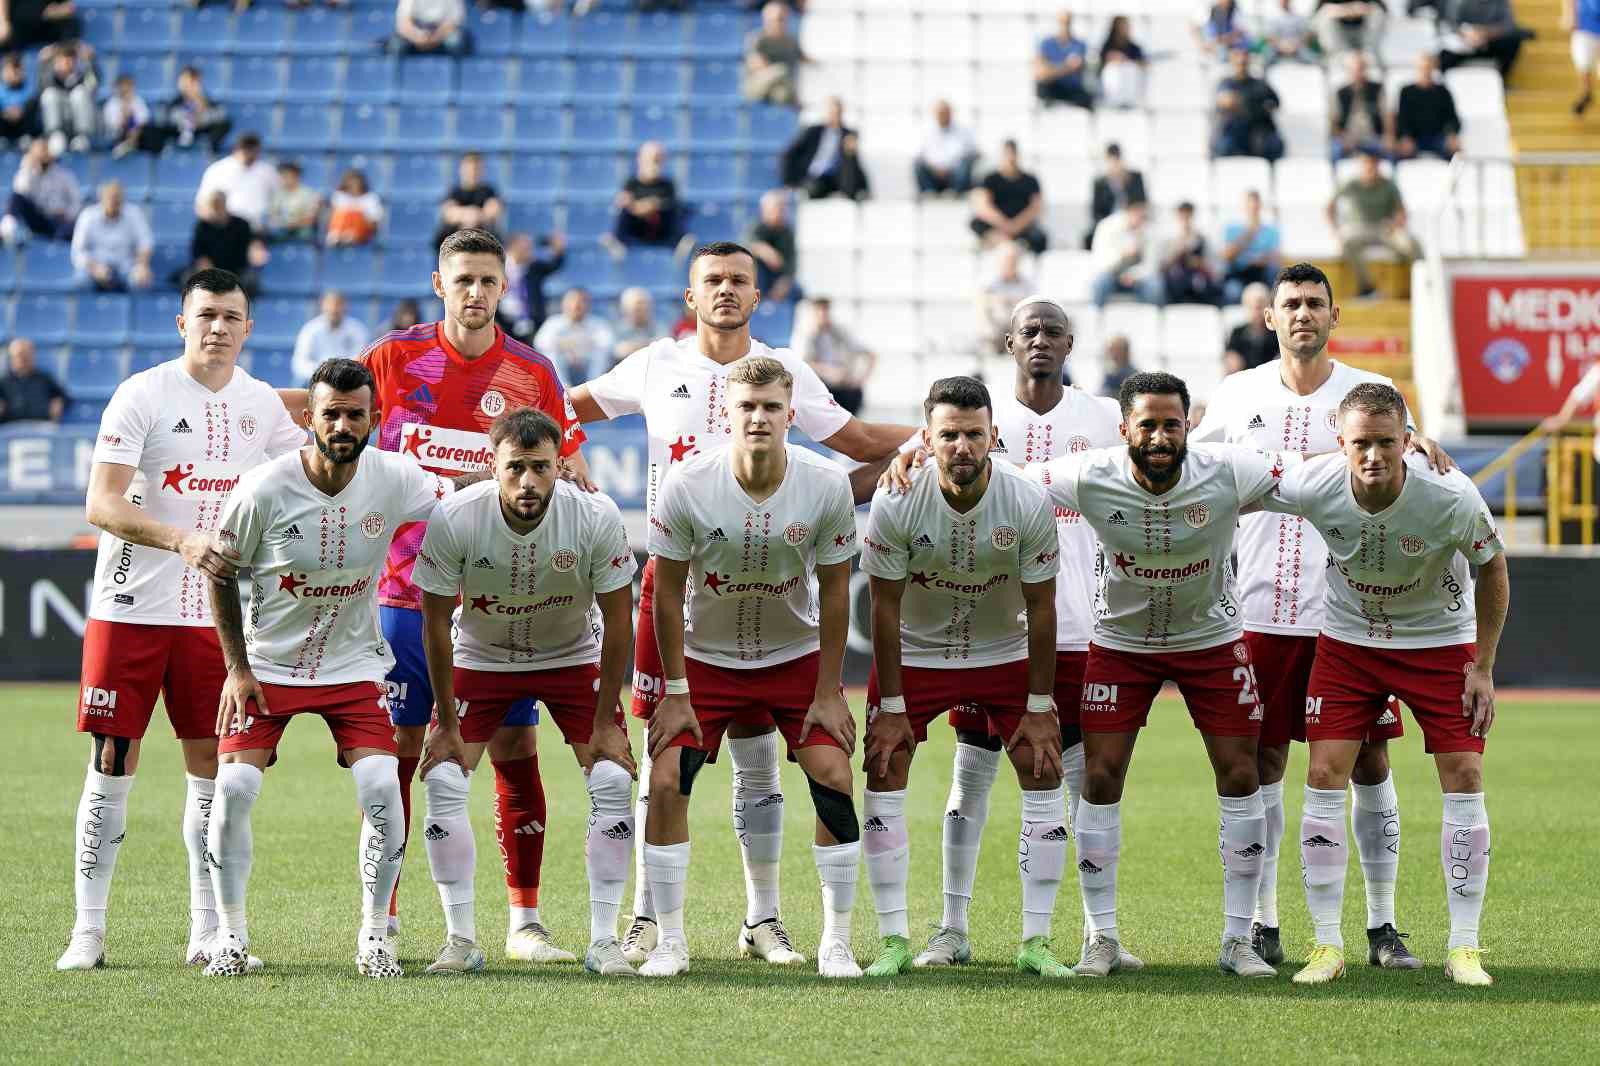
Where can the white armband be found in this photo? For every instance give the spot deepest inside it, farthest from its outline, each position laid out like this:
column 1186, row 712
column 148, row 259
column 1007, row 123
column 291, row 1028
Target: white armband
column 677, row 686
column 892, row 704
column 1038, row 704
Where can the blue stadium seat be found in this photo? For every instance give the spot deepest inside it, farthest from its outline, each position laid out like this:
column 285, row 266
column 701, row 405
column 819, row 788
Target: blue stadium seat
column 134, row 170
column 78, row 164
column 599, row 81
column 153, row 75
column 658, row 82
column 46, row 266
column 349, row 270
column 719, row 35
column 103, row 319
column 717, row 126
column 545, row 80
column 480, row 126
column 714, row 82
column 718, row 220
column 712, row 174
column 587, row 220
column 43, row 319
column 602, row 34
column 597, row 128
column 532, row 176
column 8, row 270
column 418, row 175
column 405, row 272
column 370, row 25
column 542, row 38
column 292, row 270
column 589, row 264
column 256, row 79
column 762, row 171
column 99, row 27
column 261, row 31
column 661, row 35
column 317, row 169
column 319, row 32
column 649, row 267
column 95, row 373
column 533, row 216
column 771, row 127
column 663, row 124
column 154, row 323
column 409, row 222
column 773, row 323
column 364, row 126
column 540, row 126
column 260, row 118
column 148, row 30
column 148, row 357
column 313, row 78
column 486, row 81
column 275, row 366
column 306, row 128
column 427, row 80
column 420, row 128
column 278, row 320
column 84, row 413
column 499, row 33
column 172, row 221
column 202, row 29
column 370, row 80
column 594, row 175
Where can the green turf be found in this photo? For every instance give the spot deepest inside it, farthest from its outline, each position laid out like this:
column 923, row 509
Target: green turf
column 309, row 1007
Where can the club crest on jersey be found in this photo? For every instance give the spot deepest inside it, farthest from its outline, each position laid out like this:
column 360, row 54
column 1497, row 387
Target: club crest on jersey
column 1077, row 444
column 492, row 403
column 1241, row 652
column 1412, row 545
column 1197, row 516
column 248, row 426
column 372, row 525
column 1333, row 420
column 796, row 533
column 1003, row 537
column 564, row 560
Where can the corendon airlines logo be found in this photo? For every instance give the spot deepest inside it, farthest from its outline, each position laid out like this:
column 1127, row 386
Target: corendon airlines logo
column 446, row 451
column 303, row 587
column 1366, row 588
column 492, row 605
column 1160, row 575
column 181, row 480
column 934, row 583
column 725, row 585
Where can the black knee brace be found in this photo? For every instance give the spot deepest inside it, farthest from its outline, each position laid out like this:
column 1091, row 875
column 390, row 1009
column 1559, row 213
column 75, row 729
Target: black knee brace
column 690, row 760
column 979, row 740
column 836, row 810
column 1071, row 735
column 119, row 755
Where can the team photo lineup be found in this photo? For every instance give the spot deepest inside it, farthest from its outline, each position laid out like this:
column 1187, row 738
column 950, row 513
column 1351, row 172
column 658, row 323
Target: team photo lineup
column 413, row 548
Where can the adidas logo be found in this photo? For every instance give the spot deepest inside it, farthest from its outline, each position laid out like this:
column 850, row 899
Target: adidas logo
column 1335, row 533
column 1318, row 841
column 399, row 854
column 530, row 829
column 120, row 838
column 293, row 533
column 922, row 541
column 1251, row 852
column 955, row 816
column 182, row 426
column 772, row 800
column 1386, row 718
column 1117, row 519
column 436, row 832
column 1088, row 867
column 680, row 393
column 420, row 395
column 1058, row 833
column 875, row 825
column 483, row 563
column 1257, row 422
column 620, row 831
column 717, row 535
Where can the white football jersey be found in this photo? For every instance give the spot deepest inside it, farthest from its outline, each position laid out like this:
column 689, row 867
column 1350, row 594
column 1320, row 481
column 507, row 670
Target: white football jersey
column 964, row 573
column 1281, row 560
column 527, row 601
column 1165, row 581
column 684, row 397
column 188, row 447
column 1399, row 576
column 312, row 616
column 751, row 598
column 1079, row 422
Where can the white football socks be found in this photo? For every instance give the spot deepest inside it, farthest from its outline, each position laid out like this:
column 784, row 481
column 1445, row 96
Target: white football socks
column 1243, row 825
column 965, row 815
column 838, row 866
column 1464, row 853
column 642, row 907
column 1099, row 839
column 197, row 799
column 452, row 853
column 382, row 843
column 1375, row 824
column 667, row 866
column 231, row 846
column 1272, row 840
column 97, row 837
column 883, row 838
column 609, row 846
column 758, row 821
column 1323, row 860
column 1041, row 856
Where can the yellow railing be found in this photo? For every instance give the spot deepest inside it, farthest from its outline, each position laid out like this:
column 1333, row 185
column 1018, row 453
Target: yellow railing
column 1569, row 483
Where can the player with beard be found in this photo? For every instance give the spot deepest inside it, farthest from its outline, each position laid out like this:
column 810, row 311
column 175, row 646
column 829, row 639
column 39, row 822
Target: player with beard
column 963, row 569
column 313, row 527
column 544, row 575
column 680, row 386
column 1290, row 404
column 1165, row 610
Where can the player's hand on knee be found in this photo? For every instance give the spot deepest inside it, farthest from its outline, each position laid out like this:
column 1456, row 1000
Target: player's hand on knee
column 830, row 713
column 239, row 691
column 1477, row 699
column 610, row 741
column 1042, row 733
column 443, row 744
column 886, row 734
column 673, row 715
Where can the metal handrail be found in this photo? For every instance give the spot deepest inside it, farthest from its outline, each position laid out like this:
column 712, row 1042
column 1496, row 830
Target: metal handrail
column 1507, row 461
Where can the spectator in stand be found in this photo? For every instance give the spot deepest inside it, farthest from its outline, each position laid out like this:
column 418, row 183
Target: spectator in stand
column 522, row 308
column 1061, row 66
column 295, row 209
column 31, row 23
column 472, row 203
column 1113, row 189
column 355, row 212
column 1373, row 215
column 944, row 162
column 406, row 314
column 1000, row 290
column 1119, row 365
column 648, row 212
column 1008, row 204
column 428, row 27
column 125, row 117
column 1250, row 250
column 1480, row 29
column 226, row 241
column 1426, row 120
column 1287, row 35
column 772, row 59
column 191, row 116
column 1124, row 257
column 1122, row 66
column 578, row 343
column 17, row 112
column 637, row 326
column 1349, row 26
column 333, row 334
column 26, row 392
column 1244, row 122
column 1186, row 269
column 1222, row 31
column 44, row 198
column 824, row 158
column 111, row 244
column 68, row 82
column 246, row 181
column 841, row 361
column 1251, row 343
column 771, row 240
column 1359, row 119
column 1582, row 18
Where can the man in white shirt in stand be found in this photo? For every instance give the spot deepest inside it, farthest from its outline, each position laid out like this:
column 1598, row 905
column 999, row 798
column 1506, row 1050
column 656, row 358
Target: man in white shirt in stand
column 246, row 179
column 332, row 334
column 944, row 162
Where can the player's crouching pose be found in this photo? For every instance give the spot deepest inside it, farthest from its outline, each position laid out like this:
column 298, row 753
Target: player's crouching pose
column 957, row 563
column 544, row 574
column 746, row 527
column 314, row 527
column 1404, row 617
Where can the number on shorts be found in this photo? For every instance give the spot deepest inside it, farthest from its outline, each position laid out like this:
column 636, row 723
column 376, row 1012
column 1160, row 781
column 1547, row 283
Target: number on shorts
column 1246, row 676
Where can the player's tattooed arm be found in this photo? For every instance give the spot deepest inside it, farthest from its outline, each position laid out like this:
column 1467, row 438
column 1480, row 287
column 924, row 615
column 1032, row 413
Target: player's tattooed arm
column 471, row 477
column 675, row 713
column 1041, row 731
column 829, row 711
column 610, row 738
column 887, row 732
column 107, row 507
column 1492, row 600
column 241, row 688
column 443, row 743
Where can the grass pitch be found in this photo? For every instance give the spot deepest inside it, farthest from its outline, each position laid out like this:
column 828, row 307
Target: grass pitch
column 310, row 1007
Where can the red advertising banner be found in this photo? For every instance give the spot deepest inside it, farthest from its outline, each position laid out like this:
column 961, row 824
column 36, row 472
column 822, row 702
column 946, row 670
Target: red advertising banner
column 1523, row 341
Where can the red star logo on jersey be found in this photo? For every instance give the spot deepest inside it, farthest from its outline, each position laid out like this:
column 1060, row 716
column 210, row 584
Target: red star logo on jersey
column 919, row 578
column 416, row 441
column 1122, row 562
column 680, row 449
column 173, row 479
column 1479, row 545
column 715, row 581
column 616, row 561
column 1045, row 557
column 1277, row 469
column 483, row 603
column 838, row 542
column 438, row 490
column 291, row 584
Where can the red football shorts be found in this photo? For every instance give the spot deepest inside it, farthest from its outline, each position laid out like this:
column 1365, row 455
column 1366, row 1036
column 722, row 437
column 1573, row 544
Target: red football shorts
column 1282, row 663
column 1069, row 690
column 1217, row 684
column 1350, row 685
column 780, row 695
column 357, row 714
column 127, row 665
column 484, row 697
column 991, row 698
column 648, row 679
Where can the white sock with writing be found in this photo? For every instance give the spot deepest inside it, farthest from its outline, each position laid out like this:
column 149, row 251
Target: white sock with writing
column 888, row 851
column 966, row 813
column 230, row 844
column 1375, row 823
column 97, row 837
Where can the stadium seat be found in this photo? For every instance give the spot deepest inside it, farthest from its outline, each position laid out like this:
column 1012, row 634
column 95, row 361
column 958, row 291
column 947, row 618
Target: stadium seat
column 204, row 30
column 364, row 126
column 602, row 34
column 370, row 80
column 662, row 124
column 597, row 127
column 275, row 366
column 8, row 271
column 307, row 127
column 405, row 272
column 94, row 373
column 350, row 269
column 533, row 217
column 715, row 126
column 658, row 82
column 409, row 222
column 546, row 80
column 761, row 172
column 147, row 358
column 499, row 34
column 153, row 75
column 597, row 175
column 721, row 35
column 480, row 126
column 486, row 81
column 43, row 319
column 714, row 82
column 426, row 82
column 134, row 171
column 292, row 270
column 154, row 323
column 539, row 126
column 261, row 31
column 320, row 32
column 420, row 129
column 314, row 78
column 103, row 319
column 599, row 81
column 586, row 221
column 278, row 320
column 172, row 221
column 258, row 118
column 714, row 174
column 419, row 175
column 771, row 127
column 531, row 176
column 46, row 266
column 256, row 79
column 649, row 267
column 148, row 30
column 661, row 35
